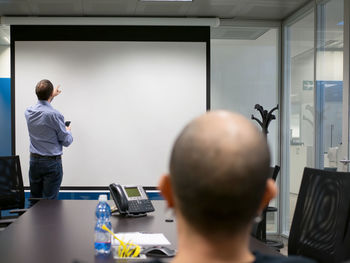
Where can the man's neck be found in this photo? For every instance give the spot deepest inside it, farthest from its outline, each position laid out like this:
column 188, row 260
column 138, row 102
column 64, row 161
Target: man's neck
column 194, row 248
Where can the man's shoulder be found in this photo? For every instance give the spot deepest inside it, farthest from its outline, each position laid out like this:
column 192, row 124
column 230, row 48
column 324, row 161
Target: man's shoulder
column 40, row 107
column 50, row 112
column 30, row 108
column 53, row 111
column 45, row 113
column 261, row 258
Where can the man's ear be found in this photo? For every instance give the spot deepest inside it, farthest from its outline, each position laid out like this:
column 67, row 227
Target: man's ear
column 166, row 189
column 269, row 194
column 51, row 97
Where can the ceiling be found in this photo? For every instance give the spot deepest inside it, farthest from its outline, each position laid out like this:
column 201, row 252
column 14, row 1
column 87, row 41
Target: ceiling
column 272, row 10
column 247, row 9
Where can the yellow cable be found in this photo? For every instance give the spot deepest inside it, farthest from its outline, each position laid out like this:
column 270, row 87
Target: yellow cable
column 136, row 251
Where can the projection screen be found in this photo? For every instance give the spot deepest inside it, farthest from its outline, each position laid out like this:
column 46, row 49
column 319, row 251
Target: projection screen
column 127, row 101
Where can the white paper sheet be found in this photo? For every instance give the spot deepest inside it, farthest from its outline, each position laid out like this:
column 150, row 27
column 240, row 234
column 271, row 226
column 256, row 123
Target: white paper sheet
column 142, row 239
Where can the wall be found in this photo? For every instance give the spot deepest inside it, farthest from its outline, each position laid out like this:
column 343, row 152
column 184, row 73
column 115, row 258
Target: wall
column 244, row 73
column 5, row 102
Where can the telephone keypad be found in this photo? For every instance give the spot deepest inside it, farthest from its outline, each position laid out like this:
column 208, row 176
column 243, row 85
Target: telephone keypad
column 140, row 206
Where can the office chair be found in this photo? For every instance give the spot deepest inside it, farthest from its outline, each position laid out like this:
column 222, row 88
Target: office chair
column 259, row 230
column 11, row 188
column 320, row 227
column 273, row 243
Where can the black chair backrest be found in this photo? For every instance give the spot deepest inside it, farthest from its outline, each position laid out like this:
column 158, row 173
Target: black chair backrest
column 274, row 172
column 259, row 229
column 320, row 227
column 11, row 183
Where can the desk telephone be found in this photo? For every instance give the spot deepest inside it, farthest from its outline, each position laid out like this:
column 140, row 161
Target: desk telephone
column 130, row 200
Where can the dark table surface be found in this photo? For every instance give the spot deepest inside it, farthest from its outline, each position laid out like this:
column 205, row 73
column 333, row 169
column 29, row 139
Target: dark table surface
column 63, row 231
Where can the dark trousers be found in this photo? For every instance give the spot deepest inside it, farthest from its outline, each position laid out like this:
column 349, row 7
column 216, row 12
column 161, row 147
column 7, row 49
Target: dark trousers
column 45, row 177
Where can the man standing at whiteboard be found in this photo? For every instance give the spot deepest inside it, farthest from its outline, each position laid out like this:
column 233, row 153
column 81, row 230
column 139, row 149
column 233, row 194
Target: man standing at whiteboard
column 48, row 134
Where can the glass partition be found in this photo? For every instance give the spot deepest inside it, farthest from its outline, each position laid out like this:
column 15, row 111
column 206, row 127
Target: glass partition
column 329, row 83
column 313, row 95
column 244, row 72
column 299, row 81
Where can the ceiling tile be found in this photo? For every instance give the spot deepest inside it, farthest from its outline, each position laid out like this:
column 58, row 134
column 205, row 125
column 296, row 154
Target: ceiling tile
column 222, row 9
column 109, row 7
column 247, row 33
column 246, row 9
column 57, row 7
column 15, row 8
column 269, row 9
column 162, row 8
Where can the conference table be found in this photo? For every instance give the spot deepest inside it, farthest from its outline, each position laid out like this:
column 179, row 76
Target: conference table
column 63, row 231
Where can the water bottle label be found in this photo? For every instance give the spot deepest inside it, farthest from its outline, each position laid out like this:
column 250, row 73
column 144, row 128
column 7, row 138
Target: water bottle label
column 103, row 247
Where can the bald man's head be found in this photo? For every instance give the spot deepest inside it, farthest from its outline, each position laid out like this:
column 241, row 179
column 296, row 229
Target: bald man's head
column 219, row 167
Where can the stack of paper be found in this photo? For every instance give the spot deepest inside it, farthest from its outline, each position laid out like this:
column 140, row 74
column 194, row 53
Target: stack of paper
column 142, row 239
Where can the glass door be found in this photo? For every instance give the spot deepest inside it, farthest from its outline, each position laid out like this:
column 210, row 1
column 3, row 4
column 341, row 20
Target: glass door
column 299, row 100
column 316, row 95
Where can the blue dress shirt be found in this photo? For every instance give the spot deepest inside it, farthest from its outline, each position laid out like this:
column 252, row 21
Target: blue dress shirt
column 47, row 131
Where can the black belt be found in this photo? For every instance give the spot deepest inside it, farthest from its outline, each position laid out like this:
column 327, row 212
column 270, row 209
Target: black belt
column 38, row 156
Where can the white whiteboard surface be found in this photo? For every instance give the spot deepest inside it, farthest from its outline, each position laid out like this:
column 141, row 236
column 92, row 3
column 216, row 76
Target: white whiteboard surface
column 127, row 102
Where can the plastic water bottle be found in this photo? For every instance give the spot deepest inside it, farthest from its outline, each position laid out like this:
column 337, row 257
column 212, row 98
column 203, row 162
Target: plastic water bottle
column 103, row 210
column 102, row 237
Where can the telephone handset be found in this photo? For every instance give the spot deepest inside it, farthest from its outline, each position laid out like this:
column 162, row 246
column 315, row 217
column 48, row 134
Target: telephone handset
column 130, row 199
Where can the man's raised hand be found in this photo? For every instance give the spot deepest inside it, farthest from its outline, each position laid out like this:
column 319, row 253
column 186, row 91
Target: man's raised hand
column 56, row 91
